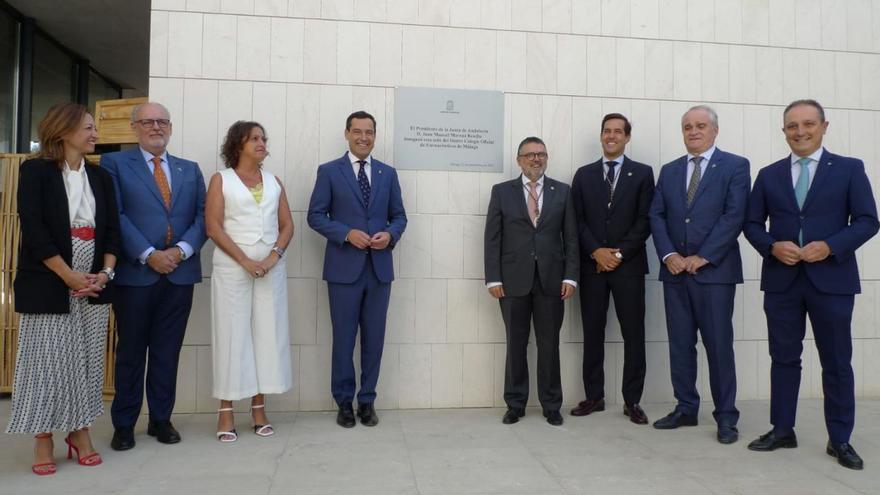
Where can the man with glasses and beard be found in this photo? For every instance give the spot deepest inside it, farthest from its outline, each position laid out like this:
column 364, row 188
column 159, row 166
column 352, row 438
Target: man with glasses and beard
column 161, row 201
column 531, row 262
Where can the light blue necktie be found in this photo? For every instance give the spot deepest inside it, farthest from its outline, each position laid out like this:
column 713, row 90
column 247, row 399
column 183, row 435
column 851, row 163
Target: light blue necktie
column 801, row 188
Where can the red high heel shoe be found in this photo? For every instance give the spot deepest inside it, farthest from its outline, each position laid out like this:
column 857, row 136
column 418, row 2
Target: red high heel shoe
column 92, row 459
column 44, row 468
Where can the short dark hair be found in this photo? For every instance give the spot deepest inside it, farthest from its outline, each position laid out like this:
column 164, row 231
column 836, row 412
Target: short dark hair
column 360, row 114
column 530, row 139
column 233, row 143
column 810, row 102
column 627, row 127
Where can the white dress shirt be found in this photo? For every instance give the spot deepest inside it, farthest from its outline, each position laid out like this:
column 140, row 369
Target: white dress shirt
column 357, row 166
column 539, row 189
column 707, row 155
column 80, row 198
column 618, row 161
column 796, row 167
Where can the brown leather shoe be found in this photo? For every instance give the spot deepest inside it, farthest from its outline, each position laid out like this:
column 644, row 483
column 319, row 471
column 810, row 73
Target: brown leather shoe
column 636, row 414
column 588, row 406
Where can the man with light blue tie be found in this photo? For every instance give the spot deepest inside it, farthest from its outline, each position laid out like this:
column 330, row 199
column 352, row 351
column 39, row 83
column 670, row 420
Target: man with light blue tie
column 357, row 205
column 697, row 213
column 161, row 201
column 821, row 209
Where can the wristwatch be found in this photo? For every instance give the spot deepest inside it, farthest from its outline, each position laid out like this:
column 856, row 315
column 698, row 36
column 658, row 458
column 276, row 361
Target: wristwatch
column 279, row 251
column 110, row 272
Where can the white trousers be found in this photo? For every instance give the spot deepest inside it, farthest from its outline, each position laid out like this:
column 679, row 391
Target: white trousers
column 250, row 338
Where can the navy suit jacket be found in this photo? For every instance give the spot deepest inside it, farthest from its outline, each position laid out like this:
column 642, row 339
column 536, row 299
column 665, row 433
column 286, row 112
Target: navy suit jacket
column 625, row 225
column 839, row 209
column 337, row 206
column 143, row 218
column 710, row 226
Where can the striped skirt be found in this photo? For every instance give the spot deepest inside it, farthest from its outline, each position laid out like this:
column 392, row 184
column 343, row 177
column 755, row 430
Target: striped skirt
column 59, row 371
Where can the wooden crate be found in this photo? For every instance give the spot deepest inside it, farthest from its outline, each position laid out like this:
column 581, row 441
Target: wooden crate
column 113, row 118
column 10, row 236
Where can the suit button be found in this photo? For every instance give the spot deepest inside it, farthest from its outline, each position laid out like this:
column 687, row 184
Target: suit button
column 687, row 220
column 802, row 217
column 532, row 254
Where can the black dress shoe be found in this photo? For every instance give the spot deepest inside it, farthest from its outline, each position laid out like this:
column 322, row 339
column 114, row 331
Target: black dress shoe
column 512, row 415
column 163, row 431
column 635, row 413
column 846, row 455
column 123, row 438
column 675, row 419
column 345, row 416
column 770, row 441
column 368, row 415
column 553, row 417
column 588, row 406
column 727, row 434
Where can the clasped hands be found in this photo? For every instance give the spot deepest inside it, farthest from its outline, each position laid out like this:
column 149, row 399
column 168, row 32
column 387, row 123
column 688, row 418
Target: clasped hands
column 677, row 263
column 259, row 269
column 606, row 259
column 362, row 240
column 83, row 284
column 165, row 261
column 790, row 253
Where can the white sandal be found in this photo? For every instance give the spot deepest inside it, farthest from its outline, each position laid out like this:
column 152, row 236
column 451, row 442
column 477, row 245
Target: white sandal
column 266, row 430
column 227, row 436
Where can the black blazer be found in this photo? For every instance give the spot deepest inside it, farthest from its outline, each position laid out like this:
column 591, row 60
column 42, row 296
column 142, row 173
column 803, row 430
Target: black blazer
column 513, row 246
column 625, row 226
column 45, row 232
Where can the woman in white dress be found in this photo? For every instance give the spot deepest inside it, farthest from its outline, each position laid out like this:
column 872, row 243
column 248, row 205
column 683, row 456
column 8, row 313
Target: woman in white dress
column 248, row 218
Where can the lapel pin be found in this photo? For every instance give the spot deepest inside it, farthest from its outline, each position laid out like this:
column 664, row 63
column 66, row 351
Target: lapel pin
column 630, row 174
column 713, row 165
column 380, row 171
column 552, row 188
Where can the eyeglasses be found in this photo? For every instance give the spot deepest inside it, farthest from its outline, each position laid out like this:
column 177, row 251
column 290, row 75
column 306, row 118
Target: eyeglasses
column 149, row 123
column 531, row 156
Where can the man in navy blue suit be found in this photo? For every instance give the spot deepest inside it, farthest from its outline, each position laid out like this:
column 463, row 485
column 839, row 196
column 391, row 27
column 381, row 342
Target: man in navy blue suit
column 697, row 213
column 821, row 209
column 357, row 206
column 161, row 201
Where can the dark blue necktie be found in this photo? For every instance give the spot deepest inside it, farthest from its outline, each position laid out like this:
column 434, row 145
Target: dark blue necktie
column 364, row 182
column 609, row 180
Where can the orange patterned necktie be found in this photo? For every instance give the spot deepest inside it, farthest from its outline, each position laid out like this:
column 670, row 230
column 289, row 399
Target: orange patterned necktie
column 164, row 190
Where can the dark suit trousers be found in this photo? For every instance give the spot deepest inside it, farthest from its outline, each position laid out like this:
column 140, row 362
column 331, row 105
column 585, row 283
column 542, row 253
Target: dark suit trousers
column 150, row 322
column 830, row 316
column 362, row 304
column 629, row 304
column 545, row 309
column 692, row 306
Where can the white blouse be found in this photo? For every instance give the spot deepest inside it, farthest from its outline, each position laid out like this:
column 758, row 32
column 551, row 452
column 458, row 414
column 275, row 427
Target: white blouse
column 80, row 198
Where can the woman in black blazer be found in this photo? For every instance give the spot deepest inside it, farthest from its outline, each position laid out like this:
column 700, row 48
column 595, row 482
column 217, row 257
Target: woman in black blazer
column 69, row 243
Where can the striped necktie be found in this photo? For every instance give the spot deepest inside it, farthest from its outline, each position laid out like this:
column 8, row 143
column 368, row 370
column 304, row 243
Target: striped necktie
column 695, row 179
